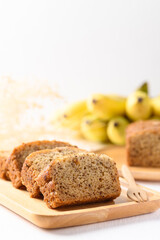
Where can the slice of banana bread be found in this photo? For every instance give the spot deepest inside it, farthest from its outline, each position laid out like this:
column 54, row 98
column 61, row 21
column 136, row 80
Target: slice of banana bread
column 78, row 178
column 18, row 155
column 36, row 162
column 4, row 155
column 143, row 143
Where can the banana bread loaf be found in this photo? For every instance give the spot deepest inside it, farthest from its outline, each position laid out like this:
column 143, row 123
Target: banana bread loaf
column 143, row 143
column 78, row 178
column 18, row 155
column 36, row 162
column 4, row 155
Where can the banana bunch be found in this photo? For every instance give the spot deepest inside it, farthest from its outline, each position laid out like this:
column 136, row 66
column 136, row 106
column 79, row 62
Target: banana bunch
column 104, row 118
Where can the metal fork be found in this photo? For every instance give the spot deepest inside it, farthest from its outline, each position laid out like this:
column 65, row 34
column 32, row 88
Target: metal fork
column 134, row 192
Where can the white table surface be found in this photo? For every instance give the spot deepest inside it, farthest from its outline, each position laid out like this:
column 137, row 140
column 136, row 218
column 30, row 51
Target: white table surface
column 144, row 227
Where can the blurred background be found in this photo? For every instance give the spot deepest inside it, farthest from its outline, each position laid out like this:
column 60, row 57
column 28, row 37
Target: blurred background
column 82, row 47
column 55, row 51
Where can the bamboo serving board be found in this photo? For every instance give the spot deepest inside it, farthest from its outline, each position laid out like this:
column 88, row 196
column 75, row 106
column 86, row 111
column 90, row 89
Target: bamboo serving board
column 139, row 173
column 36, row 211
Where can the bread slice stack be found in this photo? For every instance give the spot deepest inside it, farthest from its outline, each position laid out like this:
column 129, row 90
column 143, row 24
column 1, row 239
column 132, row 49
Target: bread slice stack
column 19, row 154
column 63, row 174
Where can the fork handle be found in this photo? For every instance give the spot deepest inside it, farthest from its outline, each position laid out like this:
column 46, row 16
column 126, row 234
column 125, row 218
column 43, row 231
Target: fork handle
column 127, row 175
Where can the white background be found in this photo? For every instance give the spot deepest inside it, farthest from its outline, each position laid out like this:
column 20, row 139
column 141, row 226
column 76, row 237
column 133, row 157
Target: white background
column 82, row 46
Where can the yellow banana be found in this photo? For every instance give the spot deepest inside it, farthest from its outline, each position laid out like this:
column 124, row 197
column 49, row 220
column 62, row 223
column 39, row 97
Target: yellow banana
column 116, row 130
column 138, row 106
column 71, row 117
column 94, row 129
column 106, row 106
column 156, row 105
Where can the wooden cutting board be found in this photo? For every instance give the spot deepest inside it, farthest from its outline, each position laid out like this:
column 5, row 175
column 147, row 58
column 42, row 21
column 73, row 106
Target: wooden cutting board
column 36, row 211
column 139, row 173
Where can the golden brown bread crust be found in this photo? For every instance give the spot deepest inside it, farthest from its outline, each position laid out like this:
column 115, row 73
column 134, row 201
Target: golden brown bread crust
column 31, row 168
column 140, row 127
column 143, row 143
column 4, row 155
column 18, row 155
column 52, row 188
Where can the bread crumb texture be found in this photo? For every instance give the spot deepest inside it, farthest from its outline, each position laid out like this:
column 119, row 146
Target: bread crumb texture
column 19, row 154
column 143, row 143
column 78, row 178
column 36, row 162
